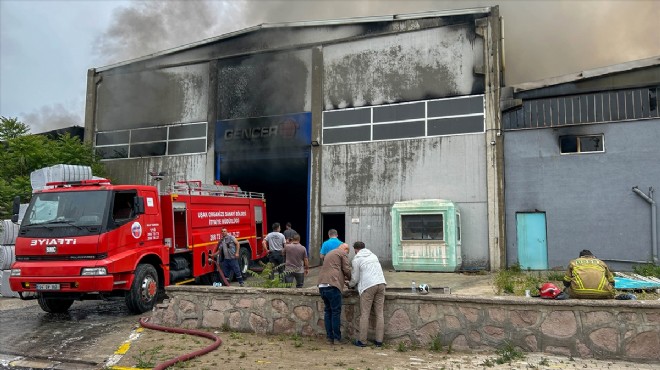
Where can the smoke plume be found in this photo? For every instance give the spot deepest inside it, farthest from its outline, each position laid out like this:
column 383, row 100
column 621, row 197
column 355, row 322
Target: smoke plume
column 50, row 117
column 147, row 27
column 542, row 38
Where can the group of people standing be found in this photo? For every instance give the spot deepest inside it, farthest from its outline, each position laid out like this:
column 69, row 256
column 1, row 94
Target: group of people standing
column 286, row 254
column 364, row 273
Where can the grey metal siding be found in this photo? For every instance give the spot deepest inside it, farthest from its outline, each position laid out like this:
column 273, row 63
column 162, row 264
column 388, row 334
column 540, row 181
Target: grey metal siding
column 587, row 197
column 364, row 180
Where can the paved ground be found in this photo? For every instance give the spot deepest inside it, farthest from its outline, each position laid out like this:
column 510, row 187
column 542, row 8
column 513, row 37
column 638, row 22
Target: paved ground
column 459, row 283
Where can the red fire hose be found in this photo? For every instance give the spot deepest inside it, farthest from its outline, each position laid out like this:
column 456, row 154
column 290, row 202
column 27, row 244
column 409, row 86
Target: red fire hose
column 222, row 274
column 216, row 342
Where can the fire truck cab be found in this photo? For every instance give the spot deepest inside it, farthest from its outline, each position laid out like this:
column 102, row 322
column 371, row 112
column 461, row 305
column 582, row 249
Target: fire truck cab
column 90, row 239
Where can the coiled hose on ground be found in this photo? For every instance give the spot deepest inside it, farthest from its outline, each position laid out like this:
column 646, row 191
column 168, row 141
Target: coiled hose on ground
column 185, row 357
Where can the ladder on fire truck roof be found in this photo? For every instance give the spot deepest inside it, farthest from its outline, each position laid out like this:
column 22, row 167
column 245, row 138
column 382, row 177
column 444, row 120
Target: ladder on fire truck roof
column 196, row 187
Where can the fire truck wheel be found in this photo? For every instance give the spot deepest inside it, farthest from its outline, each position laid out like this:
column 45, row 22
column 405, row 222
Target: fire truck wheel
column 144, row 290
column 54, row 305
column 244, row 261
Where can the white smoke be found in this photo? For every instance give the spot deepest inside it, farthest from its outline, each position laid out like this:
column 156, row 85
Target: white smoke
column 50, row 117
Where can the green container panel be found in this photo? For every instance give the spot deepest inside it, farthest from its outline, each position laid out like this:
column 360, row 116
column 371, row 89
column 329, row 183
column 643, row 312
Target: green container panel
column 426, row 249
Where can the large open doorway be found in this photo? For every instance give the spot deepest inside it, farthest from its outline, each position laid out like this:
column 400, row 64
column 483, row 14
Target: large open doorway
column 269, row 155
column 284, row 181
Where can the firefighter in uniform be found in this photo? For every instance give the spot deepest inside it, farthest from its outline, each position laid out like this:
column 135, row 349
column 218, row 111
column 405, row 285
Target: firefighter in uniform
column 589, row 277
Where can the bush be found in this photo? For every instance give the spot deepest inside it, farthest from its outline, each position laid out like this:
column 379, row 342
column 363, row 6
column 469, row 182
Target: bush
column 263, row 280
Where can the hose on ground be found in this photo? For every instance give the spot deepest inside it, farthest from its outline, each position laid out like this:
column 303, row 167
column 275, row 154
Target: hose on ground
column 185, row 357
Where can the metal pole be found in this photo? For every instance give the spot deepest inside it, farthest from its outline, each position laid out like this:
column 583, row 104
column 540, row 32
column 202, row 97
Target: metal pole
column 655, row 249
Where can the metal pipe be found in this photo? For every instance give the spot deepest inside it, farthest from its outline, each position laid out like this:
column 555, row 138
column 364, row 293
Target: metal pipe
column 655, row 248
column 620, row 260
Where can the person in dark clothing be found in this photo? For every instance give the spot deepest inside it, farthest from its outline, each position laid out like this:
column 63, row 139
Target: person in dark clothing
column 289, row 232
column 229, row 248
column 334, row 274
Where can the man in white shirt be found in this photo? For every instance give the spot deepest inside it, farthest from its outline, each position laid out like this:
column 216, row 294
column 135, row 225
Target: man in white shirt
column 367, row 274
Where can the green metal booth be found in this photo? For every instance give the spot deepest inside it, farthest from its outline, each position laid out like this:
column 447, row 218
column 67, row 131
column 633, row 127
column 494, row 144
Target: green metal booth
column 426, row 235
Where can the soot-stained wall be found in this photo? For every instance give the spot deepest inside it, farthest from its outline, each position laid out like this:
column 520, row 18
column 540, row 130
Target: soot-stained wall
column 264, row 85
column 409, row 66
column 364, row 181
column 152, row 97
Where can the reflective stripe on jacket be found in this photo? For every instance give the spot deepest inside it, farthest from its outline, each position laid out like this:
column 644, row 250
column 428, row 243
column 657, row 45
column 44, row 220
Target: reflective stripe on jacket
column 589, row 278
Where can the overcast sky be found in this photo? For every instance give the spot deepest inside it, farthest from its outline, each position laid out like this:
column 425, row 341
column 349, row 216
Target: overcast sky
column 47, row 46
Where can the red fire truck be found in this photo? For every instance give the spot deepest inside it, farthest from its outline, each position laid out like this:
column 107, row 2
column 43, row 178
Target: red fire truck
column 90, row 239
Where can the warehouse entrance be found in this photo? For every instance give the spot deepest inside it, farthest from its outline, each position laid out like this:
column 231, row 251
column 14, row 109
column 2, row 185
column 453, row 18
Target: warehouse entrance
column 269, row 155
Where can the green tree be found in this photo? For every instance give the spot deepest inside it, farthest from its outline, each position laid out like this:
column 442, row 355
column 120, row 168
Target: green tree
column 12, row 128
column 23, row 153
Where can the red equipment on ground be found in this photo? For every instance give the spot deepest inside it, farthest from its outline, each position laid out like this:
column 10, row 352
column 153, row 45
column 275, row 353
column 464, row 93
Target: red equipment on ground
column 549, row 291
column 92, row 240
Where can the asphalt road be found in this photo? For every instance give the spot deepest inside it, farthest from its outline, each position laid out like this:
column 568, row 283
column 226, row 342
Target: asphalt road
column 83, row 338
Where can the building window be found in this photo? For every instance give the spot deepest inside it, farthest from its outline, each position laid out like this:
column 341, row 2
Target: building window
column 422, row 227
column 581, row 144
column 188, row 138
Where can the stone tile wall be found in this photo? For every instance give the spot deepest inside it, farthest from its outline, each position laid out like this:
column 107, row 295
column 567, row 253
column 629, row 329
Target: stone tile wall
column 604, row 329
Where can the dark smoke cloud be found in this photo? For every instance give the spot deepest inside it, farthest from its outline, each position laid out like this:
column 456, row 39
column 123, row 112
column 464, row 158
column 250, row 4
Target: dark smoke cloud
column 50, row 117
column 146, row 27
column 542, row 38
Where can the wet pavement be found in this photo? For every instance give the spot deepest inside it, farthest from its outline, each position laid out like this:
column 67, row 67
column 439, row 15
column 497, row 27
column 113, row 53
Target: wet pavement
column 83, row 338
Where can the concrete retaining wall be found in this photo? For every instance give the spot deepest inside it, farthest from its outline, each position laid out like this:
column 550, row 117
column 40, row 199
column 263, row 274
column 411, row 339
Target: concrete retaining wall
column 626, row 330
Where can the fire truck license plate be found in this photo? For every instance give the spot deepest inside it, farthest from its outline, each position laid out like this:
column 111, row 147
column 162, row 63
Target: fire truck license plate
column 48, row 286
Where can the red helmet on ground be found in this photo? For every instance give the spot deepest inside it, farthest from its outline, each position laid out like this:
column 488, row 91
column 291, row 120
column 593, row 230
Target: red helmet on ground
column 549, row 291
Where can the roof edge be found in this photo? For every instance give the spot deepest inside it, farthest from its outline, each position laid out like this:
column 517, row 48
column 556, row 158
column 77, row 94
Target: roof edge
column 587, row 74
column 316, row 23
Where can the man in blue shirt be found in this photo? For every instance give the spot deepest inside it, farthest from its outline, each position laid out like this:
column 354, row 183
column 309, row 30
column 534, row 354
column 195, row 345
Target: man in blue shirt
column 332, row 243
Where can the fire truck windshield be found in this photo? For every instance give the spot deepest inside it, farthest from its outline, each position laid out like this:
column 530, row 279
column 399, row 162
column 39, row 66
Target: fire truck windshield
column 71, row 208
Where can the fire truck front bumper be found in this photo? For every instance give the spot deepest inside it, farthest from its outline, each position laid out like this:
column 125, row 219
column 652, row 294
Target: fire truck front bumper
column 74, row 284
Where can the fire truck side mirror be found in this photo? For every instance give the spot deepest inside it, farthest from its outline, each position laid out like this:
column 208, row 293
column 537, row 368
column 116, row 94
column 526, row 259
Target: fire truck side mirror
column 139, row 205
column 15, row 209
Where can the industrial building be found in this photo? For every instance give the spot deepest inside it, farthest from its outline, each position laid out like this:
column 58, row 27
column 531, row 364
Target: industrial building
column 582, row 163
column 333, row 120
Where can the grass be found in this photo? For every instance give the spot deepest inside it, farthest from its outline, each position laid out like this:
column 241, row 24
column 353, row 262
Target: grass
column 647, row 269
column 515, row 281
column 147, row 359
column 508, row 353
column 436, row 344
